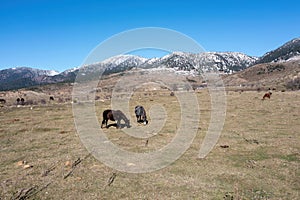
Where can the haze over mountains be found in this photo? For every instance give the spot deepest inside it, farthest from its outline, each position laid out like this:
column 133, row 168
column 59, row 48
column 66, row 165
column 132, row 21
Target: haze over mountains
column 226, row 62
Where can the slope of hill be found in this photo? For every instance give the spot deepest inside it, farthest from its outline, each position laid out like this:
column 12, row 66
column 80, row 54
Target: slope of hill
column 280, row 76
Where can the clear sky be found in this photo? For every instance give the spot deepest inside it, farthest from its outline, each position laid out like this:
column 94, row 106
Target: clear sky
column 59, row 34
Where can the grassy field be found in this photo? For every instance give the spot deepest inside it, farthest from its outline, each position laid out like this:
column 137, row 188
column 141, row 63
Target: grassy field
column 42, row 157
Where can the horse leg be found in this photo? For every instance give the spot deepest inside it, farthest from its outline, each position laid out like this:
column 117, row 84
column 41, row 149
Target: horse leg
column 103, row 122
column 106, row 123
column 118, row 123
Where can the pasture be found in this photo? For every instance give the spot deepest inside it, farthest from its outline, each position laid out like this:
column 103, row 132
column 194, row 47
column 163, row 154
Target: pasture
column 257, row 155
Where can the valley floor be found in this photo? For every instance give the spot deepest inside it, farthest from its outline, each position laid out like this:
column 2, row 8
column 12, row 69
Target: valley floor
column 256, row 157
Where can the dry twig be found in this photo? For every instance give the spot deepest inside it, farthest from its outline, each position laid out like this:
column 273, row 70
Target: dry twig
column 77, row 162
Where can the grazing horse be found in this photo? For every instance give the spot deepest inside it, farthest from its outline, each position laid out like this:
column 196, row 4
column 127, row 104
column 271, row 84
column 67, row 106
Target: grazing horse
column 267, row 95
column 114, row 115
column 22, row 101
column 140, row 114
column 51, row 98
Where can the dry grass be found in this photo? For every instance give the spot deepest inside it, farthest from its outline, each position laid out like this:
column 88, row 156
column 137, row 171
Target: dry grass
column 262, row 161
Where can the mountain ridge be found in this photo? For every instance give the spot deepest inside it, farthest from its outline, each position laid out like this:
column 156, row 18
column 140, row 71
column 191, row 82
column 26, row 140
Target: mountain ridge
column 14, row 78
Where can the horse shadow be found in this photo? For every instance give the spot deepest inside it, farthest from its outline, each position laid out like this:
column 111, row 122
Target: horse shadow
column 120, row 126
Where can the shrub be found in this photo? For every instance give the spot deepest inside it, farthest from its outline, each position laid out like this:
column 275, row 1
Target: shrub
column 97, row 97
column 43, row 101
column 29, row 102
column 293, row 84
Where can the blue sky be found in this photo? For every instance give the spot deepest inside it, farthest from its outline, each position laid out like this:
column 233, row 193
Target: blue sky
column 59, row 34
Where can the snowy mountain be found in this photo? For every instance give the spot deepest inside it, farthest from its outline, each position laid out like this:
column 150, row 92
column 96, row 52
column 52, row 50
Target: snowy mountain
column 227, row 61
column 290, row 50
column 23, row 77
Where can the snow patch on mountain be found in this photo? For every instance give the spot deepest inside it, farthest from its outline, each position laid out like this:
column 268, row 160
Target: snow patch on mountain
column 52, row 73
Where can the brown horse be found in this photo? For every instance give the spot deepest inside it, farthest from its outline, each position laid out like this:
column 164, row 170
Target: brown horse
column 114, row 115
column 267, row 95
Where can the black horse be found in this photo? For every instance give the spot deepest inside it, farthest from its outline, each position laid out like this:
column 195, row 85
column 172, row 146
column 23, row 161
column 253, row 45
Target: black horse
column 140, row 114
column 114, row 115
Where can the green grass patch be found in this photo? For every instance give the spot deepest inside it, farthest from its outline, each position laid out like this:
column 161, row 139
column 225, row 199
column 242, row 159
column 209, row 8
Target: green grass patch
column 290, row 157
